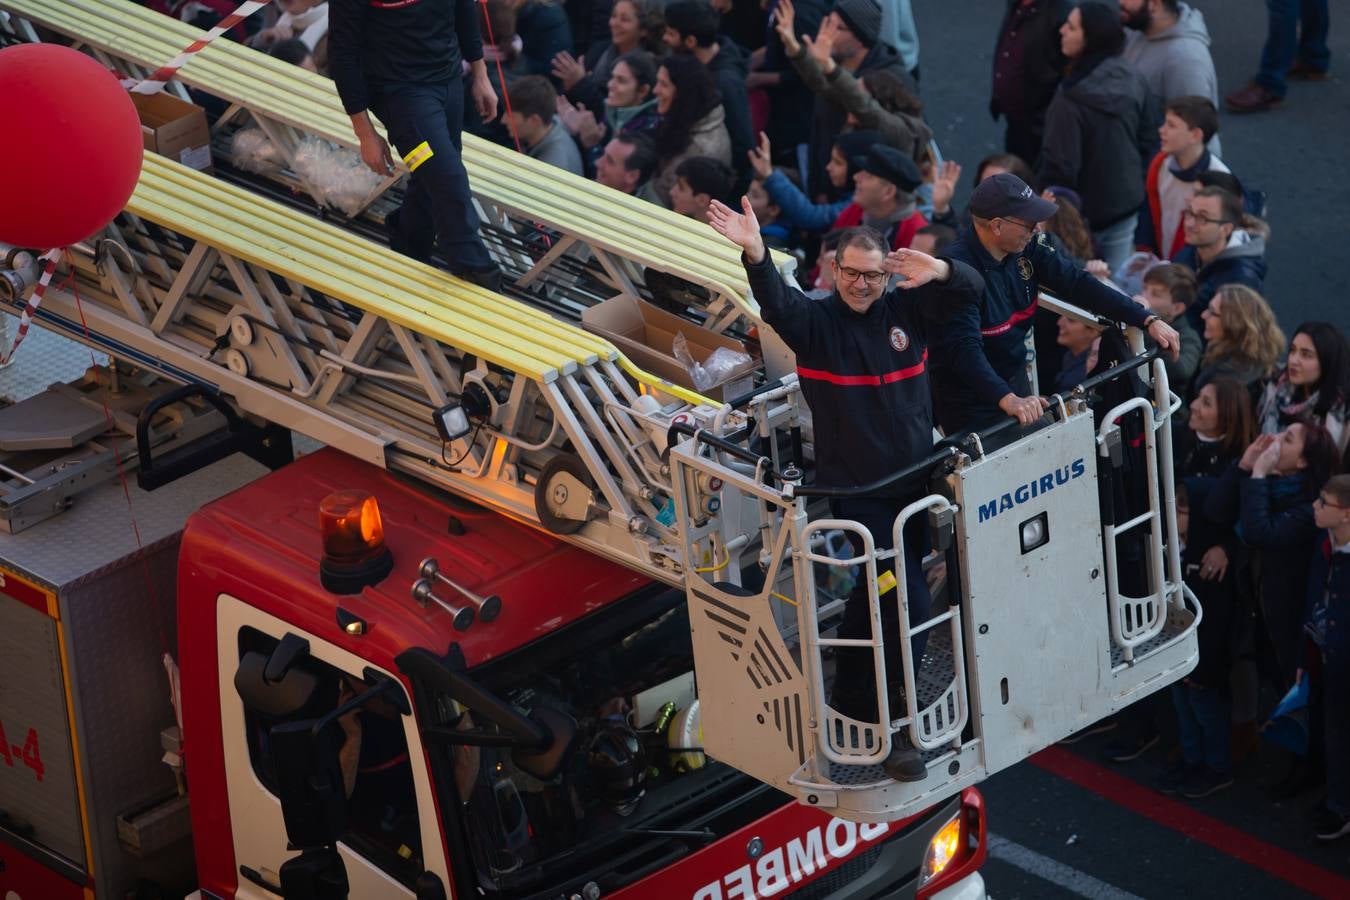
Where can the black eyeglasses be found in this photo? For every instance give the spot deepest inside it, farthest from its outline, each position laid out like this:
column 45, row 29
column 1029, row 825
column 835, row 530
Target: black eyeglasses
column 1323, row 501
column 1202, row 218
column 850, row 275
column 1029, row 226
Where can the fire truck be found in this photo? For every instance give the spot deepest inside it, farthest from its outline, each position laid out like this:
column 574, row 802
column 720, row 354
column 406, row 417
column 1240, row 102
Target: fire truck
column 523, row 619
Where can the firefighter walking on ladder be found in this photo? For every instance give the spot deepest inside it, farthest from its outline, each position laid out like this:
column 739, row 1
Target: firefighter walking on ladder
column 862, row 361
column 401, row 59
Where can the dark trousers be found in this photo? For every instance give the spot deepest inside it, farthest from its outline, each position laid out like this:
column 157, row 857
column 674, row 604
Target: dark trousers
column 437, row 203
column 1285, row 42
column 853, row 666
column 1202, row 724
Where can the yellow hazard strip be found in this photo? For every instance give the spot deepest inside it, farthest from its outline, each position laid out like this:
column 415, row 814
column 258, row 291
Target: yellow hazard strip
column 417, row 155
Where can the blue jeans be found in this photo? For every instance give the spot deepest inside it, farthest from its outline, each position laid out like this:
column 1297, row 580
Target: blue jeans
column 1284, row 42
column 437, row 203
column 1202, row 714
column 1115, row 242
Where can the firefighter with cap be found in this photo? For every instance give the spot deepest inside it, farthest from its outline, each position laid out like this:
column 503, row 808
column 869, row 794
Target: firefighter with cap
column 862, row 356
column 980, row 362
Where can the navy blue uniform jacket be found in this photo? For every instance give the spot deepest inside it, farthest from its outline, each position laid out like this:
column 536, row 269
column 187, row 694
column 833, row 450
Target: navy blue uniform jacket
column 864, row 375
column 983, row 349
column 376, row 43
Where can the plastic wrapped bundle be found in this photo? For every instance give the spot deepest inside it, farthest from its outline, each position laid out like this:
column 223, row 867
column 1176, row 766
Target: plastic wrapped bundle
column 253, row 151
column 335, row 176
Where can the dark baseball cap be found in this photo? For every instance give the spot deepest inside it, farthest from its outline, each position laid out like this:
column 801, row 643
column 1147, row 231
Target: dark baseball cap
column 889, row 163
column 1005, row 196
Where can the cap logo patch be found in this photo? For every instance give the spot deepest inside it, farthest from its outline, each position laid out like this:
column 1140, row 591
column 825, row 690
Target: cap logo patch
column 1025, row 269
column 1026, row 193
column 899, row 340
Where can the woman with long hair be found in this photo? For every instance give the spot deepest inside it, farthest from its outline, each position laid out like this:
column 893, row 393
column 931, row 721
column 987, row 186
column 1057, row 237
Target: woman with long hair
column 692, row 120
column 633, row 25
column 1220, row 427
column 1315, row 383
column 1100, row 128
column 1244, row 340
column 630, row 106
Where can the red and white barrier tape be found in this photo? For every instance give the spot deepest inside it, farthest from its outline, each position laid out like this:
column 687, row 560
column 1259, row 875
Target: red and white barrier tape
column 48, row 261
column 164, row 74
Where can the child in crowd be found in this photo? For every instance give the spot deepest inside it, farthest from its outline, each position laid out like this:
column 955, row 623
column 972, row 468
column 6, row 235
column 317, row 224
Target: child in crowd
column 776, row 234
column 302, row 20
column 1327, row 661
column 1169, row 290
column 1187, row 126
column 698, row 181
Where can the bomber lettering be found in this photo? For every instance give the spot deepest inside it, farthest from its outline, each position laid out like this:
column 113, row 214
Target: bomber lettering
column 1034, row 488
column 778, row 869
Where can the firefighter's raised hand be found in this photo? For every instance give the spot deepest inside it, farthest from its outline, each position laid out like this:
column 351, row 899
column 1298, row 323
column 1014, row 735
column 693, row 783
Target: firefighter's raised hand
column 1026, row 410
column 916, row 267
column 1166, row 337
column 741, row 228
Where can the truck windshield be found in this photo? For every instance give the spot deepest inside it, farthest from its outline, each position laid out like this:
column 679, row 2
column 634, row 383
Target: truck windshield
column 635, row 793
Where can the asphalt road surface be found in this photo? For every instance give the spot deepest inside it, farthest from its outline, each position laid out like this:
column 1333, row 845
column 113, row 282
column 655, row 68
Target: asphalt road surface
column 1298, row 153
column 1069, row 824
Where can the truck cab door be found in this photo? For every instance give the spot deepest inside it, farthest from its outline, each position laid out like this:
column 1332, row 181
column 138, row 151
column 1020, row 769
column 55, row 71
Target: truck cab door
column 393, row 833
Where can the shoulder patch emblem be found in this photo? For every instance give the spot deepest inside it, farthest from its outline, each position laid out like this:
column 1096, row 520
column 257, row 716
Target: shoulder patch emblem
column 1025, row 269
column 899, row 340
column 1044, row 240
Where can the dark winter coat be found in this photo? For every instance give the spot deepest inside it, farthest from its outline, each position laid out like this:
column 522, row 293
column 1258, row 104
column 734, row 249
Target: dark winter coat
column 828, row 117
column 1100, row 131
column 1327, row 621
column 729, row 69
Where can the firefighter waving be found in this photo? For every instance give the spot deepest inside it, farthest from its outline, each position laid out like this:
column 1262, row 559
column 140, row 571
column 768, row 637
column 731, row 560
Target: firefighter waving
column 862, row 361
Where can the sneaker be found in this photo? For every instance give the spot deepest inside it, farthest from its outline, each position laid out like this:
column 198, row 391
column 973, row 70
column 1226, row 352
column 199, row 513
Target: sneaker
column 1301, row 71
column 1101, row 727
column 1204, row 782
column 1170, row 781
column 1332, row 826
column 1126, row 749
column 1252, row 98
column 904, row 763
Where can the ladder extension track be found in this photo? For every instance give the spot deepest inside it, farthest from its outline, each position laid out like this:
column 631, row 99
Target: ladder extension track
column 628, row 227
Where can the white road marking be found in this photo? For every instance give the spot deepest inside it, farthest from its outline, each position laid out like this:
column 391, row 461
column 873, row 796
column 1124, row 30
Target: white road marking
column 1054, row 871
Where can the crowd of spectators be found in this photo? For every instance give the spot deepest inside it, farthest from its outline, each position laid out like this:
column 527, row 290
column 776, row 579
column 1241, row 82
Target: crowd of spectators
column 813, row 109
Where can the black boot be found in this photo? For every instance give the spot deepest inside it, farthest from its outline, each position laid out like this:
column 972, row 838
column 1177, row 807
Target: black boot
column 490, row 278
column 904, row 762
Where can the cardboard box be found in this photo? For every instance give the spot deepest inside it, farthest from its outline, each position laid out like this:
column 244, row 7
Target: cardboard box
column 646, row 335
column 174, row 128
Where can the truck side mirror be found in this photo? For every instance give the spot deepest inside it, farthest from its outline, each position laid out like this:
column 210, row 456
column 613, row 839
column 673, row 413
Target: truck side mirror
column 309, row 782
column 429, row 887
column 280, row 697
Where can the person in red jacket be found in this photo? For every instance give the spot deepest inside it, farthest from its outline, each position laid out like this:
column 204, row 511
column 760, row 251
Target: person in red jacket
column 883, row 196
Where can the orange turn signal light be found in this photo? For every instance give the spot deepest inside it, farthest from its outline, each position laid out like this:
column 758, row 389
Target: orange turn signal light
column 354, row 551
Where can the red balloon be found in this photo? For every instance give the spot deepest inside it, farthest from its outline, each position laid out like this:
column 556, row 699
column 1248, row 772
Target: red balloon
column 79, row 154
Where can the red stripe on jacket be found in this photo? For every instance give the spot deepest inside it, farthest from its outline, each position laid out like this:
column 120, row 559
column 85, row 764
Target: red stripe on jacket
column 865, row 380
column 1020, row 315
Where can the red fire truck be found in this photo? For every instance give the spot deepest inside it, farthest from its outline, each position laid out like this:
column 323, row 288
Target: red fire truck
column 507, row 760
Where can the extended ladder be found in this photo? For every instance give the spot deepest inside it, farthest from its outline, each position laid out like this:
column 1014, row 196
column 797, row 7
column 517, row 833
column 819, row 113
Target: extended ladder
column 301, row 324
column 545, row 226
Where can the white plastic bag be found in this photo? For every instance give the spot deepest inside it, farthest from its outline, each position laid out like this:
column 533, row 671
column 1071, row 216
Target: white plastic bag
column 335, row 176
column 253, row 151
column 720, row 365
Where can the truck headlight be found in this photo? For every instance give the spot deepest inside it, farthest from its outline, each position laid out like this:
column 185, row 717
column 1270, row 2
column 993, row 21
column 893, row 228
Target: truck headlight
column 942, row 849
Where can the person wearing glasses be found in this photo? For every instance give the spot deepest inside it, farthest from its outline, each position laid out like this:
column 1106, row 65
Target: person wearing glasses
column 980, row 364
column 1218, row 249
column 1327, row 652
column 862, row 363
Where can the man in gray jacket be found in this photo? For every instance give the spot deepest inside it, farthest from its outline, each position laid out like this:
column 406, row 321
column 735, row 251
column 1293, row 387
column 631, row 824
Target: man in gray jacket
column 1167, row 42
